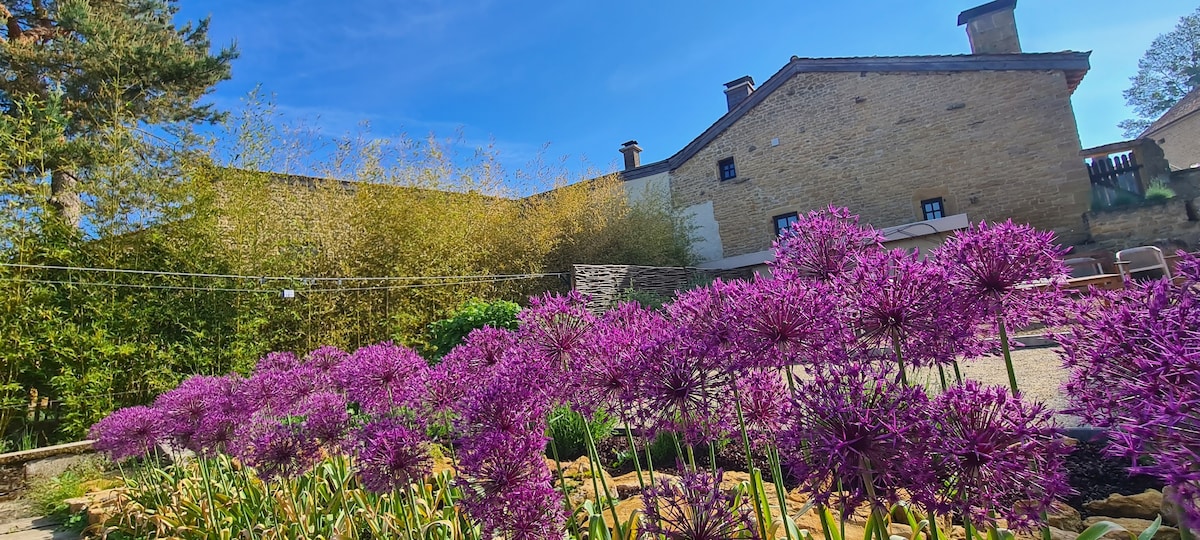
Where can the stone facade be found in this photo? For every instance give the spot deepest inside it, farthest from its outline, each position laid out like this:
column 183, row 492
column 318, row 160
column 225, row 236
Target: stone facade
column 1180, row 141
column 993, row 144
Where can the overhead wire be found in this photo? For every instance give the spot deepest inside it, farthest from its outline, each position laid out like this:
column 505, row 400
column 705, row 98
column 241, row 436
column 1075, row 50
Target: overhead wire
column 309, row 279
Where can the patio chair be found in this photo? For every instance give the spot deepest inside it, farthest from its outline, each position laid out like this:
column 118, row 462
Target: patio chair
column 1142, row 263
column 1084, row 267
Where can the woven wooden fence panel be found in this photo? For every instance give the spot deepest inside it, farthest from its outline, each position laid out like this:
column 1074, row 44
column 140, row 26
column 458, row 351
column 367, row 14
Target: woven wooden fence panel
column 604, row 285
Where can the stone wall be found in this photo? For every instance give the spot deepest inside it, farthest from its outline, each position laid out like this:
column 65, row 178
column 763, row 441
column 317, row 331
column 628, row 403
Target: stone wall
column 1168, row 224
column 1180, row 141
column 992, row 144
column 606, row 284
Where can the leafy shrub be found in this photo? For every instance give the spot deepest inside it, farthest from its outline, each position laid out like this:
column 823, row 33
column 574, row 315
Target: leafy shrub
column 663, row 451
column 475, row 313
column 567, row 429
column 1158, row 191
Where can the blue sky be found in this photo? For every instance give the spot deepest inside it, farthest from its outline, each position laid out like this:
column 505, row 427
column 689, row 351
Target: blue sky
column 575, row 79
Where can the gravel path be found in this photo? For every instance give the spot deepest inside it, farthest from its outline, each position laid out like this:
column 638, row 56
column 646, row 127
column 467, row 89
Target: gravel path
column 1040, row 376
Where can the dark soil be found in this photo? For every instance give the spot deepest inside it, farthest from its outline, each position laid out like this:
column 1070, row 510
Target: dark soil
column 1095, row 476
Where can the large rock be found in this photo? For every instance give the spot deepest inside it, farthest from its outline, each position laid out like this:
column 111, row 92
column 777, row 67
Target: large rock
column 1170, row 510
column 578, row 478
column 1142, row 506
column 627, row 485
column 625, row 509
column 1133, row 525
column 1064, row 517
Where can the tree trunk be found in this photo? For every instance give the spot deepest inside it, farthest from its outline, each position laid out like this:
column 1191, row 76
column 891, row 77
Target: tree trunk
column 64, row 197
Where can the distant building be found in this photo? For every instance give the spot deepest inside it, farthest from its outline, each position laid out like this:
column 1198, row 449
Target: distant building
column 914, row 144
column 1177, row 132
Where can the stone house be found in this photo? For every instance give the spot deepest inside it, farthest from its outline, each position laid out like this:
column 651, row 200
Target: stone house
column 917, row 145
column 1177, row 132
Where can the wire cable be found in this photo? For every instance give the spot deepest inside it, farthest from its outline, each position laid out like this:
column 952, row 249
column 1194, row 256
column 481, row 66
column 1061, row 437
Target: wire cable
column 270, row 278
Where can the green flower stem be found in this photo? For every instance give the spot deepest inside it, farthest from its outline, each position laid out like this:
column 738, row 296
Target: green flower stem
column 899, row 357
column 825, row 524
column 561, row 480
column 737, row 403
column 650, row 464
column 942, row 376
column 777, row 479
column 595, row 458
column 1008, row 364
column 933, row 528
column 633, row 451
column 957, row 373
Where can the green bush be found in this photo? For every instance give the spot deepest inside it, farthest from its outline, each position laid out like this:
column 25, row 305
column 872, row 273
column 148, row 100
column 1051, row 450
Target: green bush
column 475, row 313
column 567, row 429
column 1158, row 191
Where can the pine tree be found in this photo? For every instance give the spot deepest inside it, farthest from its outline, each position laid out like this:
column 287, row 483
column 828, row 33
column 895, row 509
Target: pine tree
column 101, row 66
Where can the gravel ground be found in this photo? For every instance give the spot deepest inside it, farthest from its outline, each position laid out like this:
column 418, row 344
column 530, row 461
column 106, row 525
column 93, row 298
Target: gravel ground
column 1040, row 376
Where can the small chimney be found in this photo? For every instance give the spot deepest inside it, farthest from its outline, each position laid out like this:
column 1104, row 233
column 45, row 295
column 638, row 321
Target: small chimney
column 992, row 28
column 633, row 154
column 738, row 90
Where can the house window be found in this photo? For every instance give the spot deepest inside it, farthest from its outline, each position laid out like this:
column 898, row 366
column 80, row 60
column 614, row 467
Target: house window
column 784, row 222
column 933, row 208
column 727, row 169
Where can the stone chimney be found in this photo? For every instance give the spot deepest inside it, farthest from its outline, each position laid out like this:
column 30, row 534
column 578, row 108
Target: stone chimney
column 992, row 28
column 633, row 154
column 738, row 90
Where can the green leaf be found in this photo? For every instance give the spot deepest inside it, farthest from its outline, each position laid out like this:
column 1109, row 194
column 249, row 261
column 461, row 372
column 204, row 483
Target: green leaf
column 1100, row 529
column 1152, row 529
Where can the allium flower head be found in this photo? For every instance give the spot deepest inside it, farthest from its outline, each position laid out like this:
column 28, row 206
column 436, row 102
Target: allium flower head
column 201, row 413
column 505, row 481
column 276, row 449
column 766, row 404
column 274, row 391
column 129, row 432
column 701, row 318
column 990, row 263
column 277, row 361
column 996, row 455
column 855, row 422
column 390, row 455
column 696, row 509
column 556, row 328
column 781, row 322
column 684, row 392
column 896, row 297
column 383, row 377
column 607, row 373
column 324, row 417
column 823, row 245
column 325, row 358
column 514, row 399
column 480, row 350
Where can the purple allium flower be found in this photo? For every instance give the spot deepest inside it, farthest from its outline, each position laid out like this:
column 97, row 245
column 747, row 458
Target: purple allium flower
column 822, row 245
column 201, row 413
column 895, row 297
column 1135, row 368
column 324, row 417
column 854, row 422
column 480, row 350
column 996, row 455
column 782, row 322
column 505, row 480
column 696, row 509
column 990, row 263
column 275, row 449
column 383, row 377
column 556, row 327
column 514, row 399
column 325, row 358
column 536, row 514
column 275, row 391
column 277, row 361
column 129, row 432
column 684, row 393
column 606, row 374
column 390, row 455
column 701, row 318
column 766, row 404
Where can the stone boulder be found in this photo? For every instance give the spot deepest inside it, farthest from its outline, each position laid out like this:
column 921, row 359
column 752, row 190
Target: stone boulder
column 1064, row 517
column 1146, row 505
